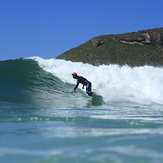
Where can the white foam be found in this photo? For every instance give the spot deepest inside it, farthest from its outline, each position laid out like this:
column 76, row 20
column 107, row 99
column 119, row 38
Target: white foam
column 114, row 83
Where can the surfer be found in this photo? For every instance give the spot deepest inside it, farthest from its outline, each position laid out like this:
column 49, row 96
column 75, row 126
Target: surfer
column 83, row 81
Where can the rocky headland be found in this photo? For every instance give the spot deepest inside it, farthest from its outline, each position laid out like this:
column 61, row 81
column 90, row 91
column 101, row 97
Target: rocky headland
column 140, row 48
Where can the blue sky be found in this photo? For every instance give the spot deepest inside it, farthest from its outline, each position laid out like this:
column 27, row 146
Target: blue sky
column 47, row 28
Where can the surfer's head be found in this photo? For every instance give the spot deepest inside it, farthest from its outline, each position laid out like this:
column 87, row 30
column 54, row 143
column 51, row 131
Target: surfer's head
column 74, row 75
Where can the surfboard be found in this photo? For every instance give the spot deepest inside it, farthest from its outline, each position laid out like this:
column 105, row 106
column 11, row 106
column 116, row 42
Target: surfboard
column 97, row 100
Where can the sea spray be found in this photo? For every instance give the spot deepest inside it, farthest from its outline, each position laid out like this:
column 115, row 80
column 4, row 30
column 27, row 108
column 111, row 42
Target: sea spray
column 114, row 83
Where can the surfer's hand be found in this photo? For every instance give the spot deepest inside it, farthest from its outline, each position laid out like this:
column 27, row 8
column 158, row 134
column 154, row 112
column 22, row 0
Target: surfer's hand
column 75, row 91
column 83, row 87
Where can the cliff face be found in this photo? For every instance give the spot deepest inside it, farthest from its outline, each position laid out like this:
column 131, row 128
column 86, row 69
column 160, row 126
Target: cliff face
column 134, row 49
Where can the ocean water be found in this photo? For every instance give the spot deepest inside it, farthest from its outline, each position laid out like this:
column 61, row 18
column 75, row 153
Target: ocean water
column 43, row 121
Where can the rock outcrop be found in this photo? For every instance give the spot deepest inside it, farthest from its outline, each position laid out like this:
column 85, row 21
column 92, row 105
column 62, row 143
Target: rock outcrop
column 98, row 41
column 144, row 38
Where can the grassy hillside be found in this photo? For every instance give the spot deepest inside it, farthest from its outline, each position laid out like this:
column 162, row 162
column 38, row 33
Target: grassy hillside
column 134, row 49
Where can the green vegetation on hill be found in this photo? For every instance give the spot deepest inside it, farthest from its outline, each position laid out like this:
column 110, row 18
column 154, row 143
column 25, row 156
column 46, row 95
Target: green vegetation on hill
column 134, row 49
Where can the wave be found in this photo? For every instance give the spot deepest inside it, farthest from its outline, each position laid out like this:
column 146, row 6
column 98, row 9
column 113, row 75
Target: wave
column 48, row 82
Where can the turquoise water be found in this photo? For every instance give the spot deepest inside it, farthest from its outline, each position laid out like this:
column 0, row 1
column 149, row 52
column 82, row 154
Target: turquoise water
column 42, row 120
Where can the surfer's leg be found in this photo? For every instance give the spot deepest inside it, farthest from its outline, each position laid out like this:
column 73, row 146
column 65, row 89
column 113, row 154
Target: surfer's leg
column 89, row 88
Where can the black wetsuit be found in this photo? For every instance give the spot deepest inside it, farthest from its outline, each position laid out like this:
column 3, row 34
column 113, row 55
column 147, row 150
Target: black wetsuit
column 85, row 82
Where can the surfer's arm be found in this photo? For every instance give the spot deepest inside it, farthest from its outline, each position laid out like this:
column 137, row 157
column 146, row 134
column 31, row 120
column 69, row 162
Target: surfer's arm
column 76, row 85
